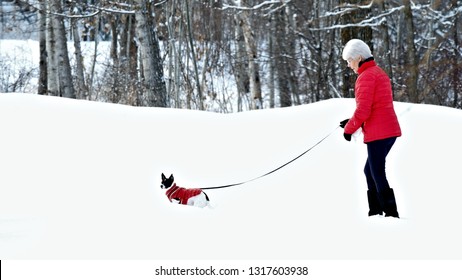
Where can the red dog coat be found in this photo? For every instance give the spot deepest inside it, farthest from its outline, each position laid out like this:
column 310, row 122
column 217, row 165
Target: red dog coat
column 182, row 194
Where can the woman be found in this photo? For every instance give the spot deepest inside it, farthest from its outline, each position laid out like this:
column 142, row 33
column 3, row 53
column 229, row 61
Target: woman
column 376, row 116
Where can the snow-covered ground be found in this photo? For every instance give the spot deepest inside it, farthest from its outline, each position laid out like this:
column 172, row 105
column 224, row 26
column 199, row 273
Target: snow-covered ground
column 80, row 180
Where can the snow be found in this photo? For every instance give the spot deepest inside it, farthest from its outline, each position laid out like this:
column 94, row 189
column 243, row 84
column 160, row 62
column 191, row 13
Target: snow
column 81, row 180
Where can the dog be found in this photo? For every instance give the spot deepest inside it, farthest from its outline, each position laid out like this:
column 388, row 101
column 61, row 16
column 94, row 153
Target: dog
column 176, row 194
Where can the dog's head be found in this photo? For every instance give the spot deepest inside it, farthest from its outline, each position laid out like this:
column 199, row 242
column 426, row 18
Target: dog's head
column 166, row 182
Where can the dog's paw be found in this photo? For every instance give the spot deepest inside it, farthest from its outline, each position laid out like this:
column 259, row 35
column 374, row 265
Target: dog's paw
column 176, row 200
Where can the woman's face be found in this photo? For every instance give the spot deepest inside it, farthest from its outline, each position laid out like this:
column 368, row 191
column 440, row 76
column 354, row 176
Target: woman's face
column 353, row 63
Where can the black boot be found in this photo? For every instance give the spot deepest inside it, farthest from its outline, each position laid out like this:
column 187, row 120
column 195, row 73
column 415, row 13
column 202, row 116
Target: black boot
column 374, row 204
column 389, row 203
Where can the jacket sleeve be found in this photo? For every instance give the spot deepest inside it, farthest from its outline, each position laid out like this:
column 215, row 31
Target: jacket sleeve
column 364, row 96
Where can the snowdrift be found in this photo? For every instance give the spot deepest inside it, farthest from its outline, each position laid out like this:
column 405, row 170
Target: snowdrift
column 80, row 180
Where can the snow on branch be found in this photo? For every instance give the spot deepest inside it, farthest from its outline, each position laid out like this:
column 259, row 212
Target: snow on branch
column 111, row 10
column 374, row 21
column 364, row 23
column 348, row 8
column 256, row 7
column 443, row 18
column 125, row 9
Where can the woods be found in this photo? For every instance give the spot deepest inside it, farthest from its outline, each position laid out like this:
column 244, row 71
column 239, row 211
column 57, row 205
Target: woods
column 233, row 55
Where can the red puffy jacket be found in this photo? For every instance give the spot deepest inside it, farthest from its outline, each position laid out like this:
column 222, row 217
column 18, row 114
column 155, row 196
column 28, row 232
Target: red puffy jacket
column 182, row 194
column 374, row 105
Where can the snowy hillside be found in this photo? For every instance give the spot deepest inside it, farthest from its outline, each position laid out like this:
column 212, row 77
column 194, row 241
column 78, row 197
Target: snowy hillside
column 80, row 180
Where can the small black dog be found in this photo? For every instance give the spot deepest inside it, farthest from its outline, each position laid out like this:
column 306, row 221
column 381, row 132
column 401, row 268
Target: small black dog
column 176, row 194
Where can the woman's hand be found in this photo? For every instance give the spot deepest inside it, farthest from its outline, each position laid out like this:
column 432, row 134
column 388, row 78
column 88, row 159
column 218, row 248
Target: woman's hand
column 343, row 123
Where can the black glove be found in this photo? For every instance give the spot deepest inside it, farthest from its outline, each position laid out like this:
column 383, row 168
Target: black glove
column 347, row 136
column 343, row 123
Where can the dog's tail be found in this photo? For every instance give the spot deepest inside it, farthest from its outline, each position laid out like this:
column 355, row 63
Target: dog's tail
column 206, row 196
column 209, row 205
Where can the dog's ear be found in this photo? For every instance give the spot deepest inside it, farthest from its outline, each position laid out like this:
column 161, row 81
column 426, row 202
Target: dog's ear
column 163, row 177
column 171, row 177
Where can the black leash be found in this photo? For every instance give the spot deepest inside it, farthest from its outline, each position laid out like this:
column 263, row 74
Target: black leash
column 274, row 170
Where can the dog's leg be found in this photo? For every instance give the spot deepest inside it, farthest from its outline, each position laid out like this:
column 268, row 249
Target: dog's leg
column 199, row 200
column 191, row 201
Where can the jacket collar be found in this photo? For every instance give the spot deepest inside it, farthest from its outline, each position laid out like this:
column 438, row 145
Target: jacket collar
column 363, row 65
column 172, row 189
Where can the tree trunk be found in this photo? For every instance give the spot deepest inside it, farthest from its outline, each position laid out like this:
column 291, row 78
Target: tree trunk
column 289, row 53
column 153, row 81
column 411, row 62
column 127, row 64
column 194, row 58
column 272, row 66
column 240, row 62
column 172, row 51
column 175, row 29
column 82, row 91
column 281, row 61
column 93, row 63
column 386, row 51
column 115, row 79
column 426, row 63
column 252, row 56
column 52, row 64
column 456, row 61
column 363, row 33
column 43, row 73
column 64, row 68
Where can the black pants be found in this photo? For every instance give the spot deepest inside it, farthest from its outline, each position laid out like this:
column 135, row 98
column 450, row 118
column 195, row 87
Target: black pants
column 381, row 197
column 374, row 170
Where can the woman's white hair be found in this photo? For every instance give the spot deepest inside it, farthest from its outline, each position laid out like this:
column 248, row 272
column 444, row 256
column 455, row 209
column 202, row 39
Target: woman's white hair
column 356, row 48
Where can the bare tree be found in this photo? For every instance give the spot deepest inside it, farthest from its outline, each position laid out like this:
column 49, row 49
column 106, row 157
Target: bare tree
column 43, row 73
column 153, row 74
column 384, row 46
column 411, row 62
column 359, row 12
column 174, row 48
column 193, row 55
column 282, row 52
column 456, row 59
column 239, row 61
column 243, row 22
column 82, row 90
column 280, row 60
column 66, row 85
column 52, row 63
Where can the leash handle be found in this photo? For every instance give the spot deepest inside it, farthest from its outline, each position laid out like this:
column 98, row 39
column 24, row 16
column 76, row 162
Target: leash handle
column 276, row 169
